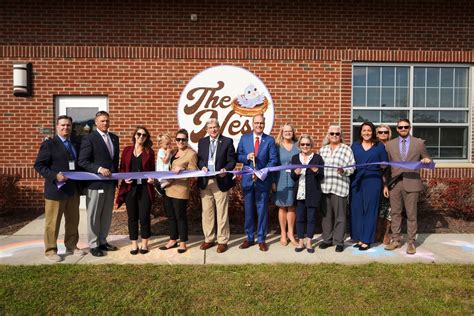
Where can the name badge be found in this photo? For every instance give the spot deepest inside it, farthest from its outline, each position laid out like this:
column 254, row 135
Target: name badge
column 139, row 181
column 100, row 191
column 72, row 165
column 210, row 166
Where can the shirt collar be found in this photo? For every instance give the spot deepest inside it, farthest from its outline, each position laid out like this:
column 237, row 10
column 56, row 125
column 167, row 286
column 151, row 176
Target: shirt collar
column 63, row 139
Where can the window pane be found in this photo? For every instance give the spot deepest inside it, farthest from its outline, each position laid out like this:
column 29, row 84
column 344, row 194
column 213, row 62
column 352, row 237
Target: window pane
column 453, row 136
column 453, row 117
column 359, row 97
column 402, row 98
column 425, row 116
column 447, row 77
column 452, row 153
column 373, row 96
column 432, row 97
column 393, row 116
column 359, row 77
column 373, row 76
column 366, row 115
column 402, row 77
column 429, row 134
column 432, row 77
column 419, row 77
column 446, row 97
column 388, row 76
column 419, row 97
column 388, row 97
column 460, row 98
column 460, row 77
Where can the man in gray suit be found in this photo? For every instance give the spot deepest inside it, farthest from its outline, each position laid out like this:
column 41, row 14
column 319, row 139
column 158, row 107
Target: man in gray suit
column 404, row 186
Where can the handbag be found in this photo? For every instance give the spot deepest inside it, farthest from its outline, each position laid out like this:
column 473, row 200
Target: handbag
column 158, row 189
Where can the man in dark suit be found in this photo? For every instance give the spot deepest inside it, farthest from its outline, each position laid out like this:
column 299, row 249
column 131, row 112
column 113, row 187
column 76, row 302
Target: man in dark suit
column 100, row 154
column 405, row 185
column 56, row 155
column 256, row 150
column 215, row 153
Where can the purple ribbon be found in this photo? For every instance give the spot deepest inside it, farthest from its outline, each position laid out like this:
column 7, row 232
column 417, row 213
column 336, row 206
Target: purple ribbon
column 262, row 174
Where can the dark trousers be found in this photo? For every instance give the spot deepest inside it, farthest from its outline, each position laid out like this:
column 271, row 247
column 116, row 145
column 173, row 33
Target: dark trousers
column 334, row 218
column 138, row 209
column 252, row 198
column 177, row 218
column 305, row 216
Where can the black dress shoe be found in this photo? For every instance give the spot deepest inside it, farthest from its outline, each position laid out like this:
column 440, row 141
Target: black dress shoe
column 166, row 248
column 108, row 247
column 298, row 249
column 339, row 248
column 181, row 250
column 310, row 250
column 324, row 245
column 356, row 245
column 364, row 248
column 144, row 251
column 96, row 252
column 134, row 251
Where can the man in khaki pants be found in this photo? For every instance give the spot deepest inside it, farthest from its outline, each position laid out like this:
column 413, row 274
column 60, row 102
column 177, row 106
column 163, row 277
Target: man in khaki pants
column 405, row 185
column 56, row 155
column 215, row 153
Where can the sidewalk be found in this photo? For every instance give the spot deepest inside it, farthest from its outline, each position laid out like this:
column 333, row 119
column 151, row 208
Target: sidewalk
column 25, row 247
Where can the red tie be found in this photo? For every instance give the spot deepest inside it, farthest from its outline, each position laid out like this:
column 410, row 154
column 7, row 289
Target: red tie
column 257, row 144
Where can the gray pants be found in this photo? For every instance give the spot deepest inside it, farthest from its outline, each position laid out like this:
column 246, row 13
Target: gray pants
column 334, row 218
column 99, row 215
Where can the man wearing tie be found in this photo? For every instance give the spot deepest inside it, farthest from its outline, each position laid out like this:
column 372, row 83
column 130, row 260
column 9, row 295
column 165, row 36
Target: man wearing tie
column 256, row 150
column 56, row 155
column 215, row 153
column 100, row 154
column 404, row 185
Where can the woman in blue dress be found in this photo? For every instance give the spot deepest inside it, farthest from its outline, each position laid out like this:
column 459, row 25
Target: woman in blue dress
column 365, row 186
column 283, row 184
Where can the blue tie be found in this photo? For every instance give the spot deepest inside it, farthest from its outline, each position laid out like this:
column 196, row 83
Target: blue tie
column 68, row 145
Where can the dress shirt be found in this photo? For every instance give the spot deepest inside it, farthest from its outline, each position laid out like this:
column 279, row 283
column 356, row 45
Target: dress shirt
column 333, row 182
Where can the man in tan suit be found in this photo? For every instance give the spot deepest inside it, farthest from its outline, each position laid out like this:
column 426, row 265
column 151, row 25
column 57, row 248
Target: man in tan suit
column 404, row 185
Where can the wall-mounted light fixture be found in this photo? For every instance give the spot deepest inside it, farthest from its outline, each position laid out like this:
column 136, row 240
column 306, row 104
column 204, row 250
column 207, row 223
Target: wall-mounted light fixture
column 22, row 79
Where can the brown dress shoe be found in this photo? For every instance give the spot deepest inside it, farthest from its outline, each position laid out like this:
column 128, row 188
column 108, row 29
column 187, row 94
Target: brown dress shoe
column 222, row 248
column 206, row 245
column 411, row 250
column 393, row 245
column 263, row 246
column 246, row 244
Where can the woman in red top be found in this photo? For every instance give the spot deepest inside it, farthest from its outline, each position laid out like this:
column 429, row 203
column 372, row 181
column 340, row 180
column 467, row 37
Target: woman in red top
column 138, row 194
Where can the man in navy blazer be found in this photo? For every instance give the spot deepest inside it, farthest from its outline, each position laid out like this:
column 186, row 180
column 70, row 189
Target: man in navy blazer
column 215, row 153
column 256, row 150
column 100, row 154
column 55, row 156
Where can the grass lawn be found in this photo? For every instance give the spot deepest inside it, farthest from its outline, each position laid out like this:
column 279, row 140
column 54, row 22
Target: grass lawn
column 248, row 289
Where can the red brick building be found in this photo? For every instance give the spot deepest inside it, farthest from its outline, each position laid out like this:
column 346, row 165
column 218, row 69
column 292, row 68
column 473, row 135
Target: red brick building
column 324, row 62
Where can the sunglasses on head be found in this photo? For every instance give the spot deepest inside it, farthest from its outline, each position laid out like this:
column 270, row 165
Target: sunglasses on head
column 403, row 127
column 305, row 144
column 181, row 139
column 382, row 132
column 334, row 134
column 140, row 134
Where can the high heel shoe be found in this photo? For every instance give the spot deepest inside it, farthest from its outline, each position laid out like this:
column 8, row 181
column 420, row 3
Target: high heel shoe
column 364, row 248
column 182, row 250
column 144, row 251
column 134, row 251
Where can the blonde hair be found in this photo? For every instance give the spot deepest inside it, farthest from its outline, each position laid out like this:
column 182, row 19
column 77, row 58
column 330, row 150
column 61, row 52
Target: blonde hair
column 279, row 138
column 162, row 137
column 387, row 127
column 326, row 138
column 306, row 136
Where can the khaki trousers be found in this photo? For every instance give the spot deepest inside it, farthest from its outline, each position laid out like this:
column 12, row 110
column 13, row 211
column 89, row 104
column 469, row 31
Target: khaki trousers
column 54, row 211
column 215, row 205
column 399, row 198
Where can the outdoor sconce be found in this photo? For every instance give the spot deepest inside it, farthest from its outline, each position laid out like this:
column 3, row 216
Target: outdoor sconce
column 22, row 77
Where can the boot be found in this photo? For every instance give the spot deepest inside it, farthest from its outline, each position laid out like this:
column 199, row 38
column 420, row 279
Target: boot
column 387, row 233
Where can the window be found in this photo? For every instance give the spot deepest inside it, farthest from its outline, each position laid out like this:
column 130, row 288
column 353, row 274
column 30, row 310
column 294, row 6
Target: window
column 435, row 98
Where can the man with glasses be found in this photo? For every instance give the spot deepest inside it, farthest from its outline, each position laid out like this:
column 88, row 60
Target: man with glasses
column 404, row 186
column 215, row 153
column 100, row 154
column 61, row 197
column 256, row 150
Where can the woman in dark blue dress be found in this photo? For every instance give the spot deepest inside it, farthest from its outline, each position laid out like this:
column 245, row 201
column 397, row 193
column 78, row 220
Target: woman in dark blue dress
column 365, row 186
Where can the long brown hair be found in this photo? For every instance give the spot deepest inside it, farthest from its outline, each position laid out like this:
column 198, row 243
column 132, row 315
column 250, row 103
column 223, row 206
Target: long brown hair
column 148, row 142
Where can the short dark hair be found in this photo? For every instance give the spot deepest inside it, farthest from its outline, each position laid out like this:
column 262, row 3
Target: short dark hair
column 404, row 120
column 63, row 117
column 182, row 131
column 148, row 142
column 101, row 113
column 372, row 127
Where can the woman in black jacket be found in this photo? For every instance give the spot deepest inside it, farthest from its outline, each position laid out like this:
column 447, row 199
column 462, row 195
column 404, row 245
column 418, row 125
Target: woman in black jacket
column 307, row 191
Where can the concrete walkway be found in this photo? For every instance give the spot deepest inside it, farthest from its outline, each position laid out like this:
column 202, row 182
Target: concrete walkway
column 25, row 247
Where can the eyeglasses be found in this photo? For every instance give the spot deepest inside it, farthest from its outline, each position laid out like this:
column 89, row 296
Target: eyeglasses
column 258, row 123
column 382, row 132
column 305, row 144
column 335, row 134
column 181, row 140
column 140, row 134
column 403, row 127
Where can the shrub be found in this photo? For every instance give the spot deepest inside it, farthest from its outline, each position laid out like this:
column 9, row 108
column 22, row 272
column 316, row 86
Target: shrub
column 8, row 191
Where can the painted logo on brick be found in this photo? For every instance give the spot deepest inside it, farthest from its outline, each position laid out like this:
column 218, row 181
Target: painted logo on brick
column 231, row 94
